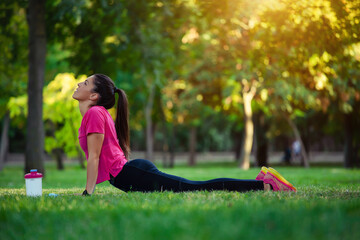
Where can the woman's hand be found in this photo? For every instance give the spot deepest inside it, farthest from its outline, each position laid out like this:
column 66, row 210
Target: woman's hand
column 94, row 143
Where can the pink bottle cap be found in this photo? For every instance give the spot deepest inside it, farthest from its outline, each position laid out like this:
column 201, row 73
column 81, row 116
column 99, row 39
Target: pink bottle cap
column 33, row 174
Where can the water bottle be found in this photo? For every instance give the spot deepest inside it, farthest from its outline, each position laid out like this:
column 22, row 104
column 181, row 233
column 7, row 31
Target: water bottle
column 33, row 181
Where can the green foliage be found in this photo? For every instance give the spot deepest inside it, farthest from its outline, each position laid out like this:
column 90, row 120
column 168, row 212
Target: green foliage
column 13, row 57
column 308, row 51
column 326, row 207
column 61, row 113
column 196, row 58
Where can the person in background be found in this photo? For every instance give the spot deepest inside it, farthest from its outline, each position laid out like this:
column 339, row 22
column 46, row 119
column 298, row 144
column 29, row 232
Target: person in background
column 287, row 152
column 296, row 150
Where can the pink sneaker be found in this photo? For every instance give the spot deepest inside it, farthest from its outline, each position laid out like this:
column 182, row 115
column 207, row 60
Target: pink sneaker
column 278, row 182
column 261, row 174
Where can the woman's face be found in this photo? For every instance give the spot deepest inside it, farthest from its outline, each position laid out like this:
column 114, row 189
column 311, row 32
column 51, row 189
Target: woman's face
column 84, row 91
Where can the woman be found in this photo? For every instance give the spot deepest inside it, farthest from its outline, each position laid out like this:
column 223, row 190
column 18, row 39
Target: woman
column 107, row 148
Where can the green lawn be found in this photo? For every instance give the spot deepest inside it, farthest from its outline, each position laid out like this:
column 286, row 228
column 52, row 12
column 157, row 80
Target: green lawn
column 327, row 206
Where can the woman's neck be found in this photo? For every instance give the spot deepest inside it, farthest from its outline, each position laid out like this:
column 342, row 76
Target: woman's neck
column 84, row 107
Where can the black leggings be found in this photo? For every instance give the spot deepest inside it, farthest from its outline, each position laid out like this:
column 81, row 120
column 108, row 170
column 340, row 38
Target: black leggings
column 142, row 176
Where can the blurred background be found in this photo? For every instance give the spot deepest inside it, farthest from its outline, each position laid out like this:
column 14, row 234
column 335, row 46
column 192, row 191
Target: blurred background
column 248, row 82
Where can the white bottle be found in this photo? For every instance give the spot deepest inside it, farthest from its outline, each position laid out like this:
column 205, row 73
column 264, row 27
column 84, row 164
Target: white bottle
column 33, row 181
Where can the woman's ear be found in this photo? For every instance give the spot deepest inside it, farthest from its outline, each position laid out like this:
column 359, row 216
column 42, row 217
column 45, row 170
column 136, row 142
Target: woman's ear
column 94, row 97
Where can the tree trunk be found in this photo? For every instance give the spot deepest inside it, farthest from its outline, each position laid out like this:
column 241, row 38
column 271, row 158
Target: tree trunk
column 165, row 143
column 356, row 114
column 4, row 140
column 261, row 127
column 172, row 146
column 165, row 146
column 58, row 154
column 34, row 157
column 306, row 142
column 349, row 156
column 249, row 129
column 172, row 159
column 237, row 135
column 168, row 142
column 305, row 135
column 165, row 150
column 192, row 146
column 305, row 159
column 81, row 157
column 149, row 125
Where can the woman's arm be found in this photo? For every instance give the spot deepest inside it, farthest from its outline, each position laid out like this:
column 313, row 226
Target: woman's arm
column 94, row 143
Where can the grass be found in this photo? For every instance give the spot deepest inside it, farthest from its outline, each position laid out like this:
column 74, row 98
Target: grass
column 327, row 206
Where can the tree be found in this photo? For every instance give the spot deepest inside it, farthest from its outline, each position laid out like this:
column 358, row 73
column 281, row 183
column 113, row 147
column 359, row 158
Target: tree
column 34, row 157
column 4, row 140
column 262, row 124
column 155, row 41
column 61, row 116
column 310, row 45
column 13, row 62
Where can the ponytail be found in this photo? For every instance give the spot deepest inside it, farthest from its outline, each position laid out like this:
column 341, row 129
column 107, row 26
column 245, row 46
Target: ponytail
column 106, row 89
column 122, row 122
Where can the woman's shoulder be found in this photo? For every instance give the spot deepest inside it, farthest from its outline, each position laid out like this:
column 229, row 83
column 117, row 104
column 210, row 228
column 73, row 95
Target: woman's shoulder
column 95, row 111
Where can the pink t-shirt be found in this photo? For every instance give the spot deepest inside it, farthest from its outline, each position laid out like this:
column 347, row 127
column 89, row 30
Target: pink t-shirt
column 112, row 159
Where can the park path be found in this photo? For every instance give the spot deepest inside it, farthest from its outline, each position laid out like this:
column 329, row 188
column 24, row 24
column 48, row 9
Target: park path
column 274, row 157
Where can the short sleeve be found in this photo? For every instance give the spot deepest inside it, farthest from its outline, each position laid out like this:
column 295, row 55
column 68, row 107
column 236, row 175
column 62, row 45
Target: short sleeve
column 95, row 122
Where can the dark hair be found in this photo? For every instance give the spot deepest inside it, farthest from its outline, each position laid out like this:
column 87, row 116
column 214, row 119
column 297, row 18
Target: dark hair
column 106, row 89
